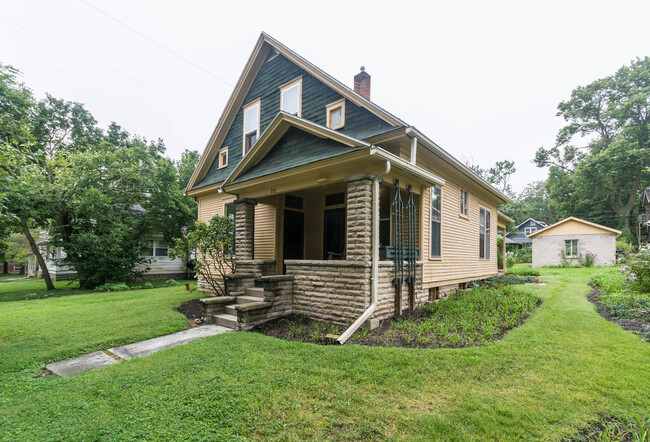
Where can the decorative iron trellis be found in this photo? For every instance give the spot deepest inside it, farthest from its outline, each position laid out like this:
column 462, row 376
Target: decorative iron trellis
column 404, row 246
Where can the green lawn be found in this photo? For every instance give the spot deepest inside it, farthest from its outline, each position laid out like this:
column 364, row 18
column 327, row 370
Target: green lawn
column 545, row 380
column 34, row 288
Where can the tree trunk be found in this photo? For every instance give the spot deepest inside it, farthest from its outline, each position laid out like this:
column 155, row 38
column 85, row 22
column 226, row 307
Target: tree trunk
column 624, row 209
column 5, row 267
column 37, row 253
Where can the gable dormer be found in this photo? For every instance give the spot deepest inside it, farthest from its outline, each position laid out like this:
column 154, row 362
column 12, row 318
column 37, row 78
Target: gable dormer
column 277, row 79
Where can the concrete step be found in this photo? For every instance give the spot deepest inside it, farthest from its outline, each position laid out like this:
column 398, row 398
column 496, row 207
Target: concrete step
column 230, row 310
column 226, row 320
column 256, row 292
column 248, row 299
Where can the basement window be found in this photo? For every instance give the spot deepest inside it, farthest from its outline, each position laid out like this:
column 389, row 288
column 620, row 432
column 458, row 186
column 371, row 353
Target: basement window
column 291, row 97
column 251, row 125
column 223, row 158
column 336, row 114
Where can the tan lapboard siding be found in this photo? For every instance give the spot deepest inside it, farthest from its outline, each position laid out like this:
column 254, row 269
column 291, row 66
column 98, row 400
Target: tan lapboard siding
column 459, row 260
column 573, row 228
column 265, row 230
column 214, row 204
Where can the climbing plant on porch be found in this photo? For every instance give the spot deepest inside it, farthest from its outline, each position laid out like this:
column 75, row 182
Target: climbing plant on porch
column 209, row 247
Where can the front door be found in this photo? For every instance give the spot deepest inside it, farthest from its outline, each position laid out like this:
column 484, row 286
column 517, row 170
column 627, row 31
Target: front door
column 294, row 234
column 334, row 234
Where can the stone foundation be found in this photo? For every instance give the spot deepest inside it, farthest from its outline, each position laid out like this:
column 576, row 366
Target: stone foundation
column 386, row 293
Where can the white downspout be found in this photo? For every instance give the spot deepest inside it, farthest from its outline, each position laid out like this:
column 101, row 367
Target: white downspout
column 374, row 278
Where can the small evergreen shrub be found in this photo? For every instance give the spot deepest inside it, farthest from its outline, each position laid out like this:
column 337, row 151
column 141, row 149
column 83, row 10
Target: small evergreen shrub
column 112, row 287
column 171, row 283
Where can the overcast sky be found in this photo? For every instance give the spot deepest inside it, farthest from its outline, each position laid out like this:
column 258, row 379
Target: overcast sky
column 482, row 79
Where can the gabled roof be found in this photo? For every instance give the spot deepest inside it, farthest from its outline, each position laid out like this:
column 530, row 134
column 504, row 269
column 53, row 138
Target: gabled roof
column 276, row 130
column 264, row 45
column 572, row 218
column 541, row 223
column 645, row 199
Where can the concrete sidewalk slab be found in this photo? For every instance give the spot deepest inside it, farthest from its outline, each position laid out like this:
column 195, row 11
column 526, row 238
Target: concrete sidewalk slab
column 150, row 346
column 70, row 367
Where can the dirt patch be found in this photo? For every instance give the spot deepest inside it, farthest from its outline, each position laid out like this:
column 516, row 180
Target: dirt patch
column 636, row 326
column 193, row 311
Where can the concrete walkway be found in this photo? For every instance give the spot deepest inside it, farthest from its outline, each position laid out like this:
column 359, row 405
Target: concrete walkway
column 99, row 359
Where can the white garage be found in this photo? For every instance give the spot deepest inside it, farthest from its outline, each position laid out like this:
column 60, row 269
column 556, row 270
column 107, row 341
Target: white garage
column 575, row 237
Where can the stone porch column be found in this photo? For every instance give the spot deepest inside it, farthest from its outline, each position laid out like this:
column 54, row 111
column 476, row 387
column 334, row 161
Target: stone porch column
column 244, row 228
column 359, row 218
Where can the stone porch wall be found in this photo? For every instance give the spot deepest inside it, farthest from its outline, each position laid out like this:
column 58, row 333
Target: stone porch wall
column 333, row 291
column 278, row 302
column 386, row 294
column 257, row 267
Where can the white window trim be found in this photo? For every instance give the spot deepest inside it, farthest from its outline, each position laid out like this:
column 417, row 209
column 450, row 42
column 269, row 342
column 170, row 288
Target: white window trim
column 331, row 107
column 431, row 256
column 460, row 206
column 223, row 152
column 257, row 103
column 487, row 249
column 529, row 230
column 292, row 83
column 575, row 252
column 154, row 246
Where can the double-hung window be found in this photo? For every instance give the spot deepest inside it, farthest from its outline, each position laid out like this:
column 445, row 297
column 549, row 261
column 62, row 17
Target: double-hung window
column 529, row 230
column 251, row 124
column 463, row 202
column 571, row 248
column 335, row 114
column 291, row 97
column 155, row 248
column 484, row 234
column 436, row 221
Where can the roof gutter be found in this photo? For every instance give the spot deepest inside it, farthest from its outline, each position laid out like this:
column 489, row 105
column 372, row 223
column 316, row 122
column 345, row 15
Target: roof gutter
column 399, row 163
column 374, row 278
column 413, row 132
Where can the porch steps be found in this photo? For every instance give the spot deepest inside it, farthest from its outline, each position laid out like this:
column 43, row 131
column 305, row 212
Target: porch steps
column 229, row 317
column 226, row 320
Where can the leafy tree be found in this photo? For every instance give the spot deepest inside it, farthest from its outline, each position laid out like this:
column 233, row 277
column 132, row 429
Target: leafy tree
column 498, row 175
column 20, row 198
column 213, row 245
column 532, row 202
column 601, row 159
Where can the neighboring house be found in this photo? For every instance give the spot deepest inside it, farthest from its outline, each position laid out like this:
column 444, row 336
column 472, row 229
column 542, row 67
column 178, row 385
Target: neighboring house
column 311, row 168
column 160, row 265
column 11, row 267
column 520, row 238
column 644, row 217
column 574, row 236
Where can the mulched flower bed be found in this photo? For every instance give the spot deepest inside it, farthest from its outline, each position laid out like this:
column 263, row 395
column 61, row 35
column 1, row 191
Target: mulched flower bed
column 193, row 311
column 476, row 317
column 637, row 326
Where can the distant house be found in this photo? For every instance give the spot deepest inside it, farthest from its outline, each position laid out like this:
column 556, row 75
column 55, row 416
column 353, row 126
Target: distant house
column 644, row 216
column 520, row 238
column 574, row 236
column 155, row 250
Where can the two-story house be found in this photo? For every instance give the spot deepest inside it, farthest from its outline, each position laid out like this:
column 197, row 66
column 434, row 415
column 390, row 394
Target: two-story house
column 520, row 238
column 344, row 212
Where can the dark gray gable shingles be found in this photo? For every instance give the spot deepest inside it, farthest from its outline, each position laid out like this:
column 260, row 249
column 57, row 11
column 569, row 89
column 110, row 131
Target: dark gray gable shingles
column 296, row 148
column 359, row 122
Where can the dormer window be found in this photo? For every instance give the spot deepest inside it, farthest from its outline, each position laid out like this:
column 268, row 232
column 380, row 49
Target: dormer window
column 223, row 157
column 291, row 97
column 251, row 125
column 336, row 114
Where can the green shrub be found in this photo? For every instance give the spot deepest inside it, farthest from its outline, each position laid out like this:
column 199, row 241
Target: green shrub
column 171, row 283
column 112, row 287
column 524, row 255
column 637, row 270
column 511, row 259
column 625, row 246
column 147, row 285
column 587, row 259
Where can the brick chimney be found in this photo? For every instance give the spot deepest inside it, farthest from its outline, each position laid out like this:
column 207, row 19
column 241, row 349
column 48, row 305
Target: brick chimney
column 362, row 83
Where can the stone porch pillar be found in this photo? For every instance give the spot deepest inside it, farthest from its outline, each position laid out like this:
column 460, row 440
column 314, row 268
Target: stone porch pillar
column 244, row 228
column 359, row 218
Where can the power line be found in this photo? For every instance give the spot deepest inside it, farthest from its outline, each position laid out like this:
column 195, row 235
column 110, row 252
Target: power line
column 107, row 66
column 176, row 54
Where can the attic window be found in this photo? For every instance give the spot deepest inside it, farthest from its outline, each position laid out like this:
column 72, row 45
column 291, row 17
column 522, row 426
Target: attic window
column 529, row 230
column 291, row 97
column 251, row 125
column 223, row 158
column 336, row 114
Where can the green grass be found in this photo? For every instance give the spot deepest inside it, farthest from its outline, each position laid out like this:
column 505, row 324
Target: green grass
column 10, row 275
column 563, row 369
column 34, row 288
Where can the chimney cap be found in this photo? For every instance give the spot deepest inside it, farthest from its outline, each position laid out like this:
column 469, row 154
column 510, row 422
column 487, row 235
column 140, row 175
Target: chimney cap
column 363, row 68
